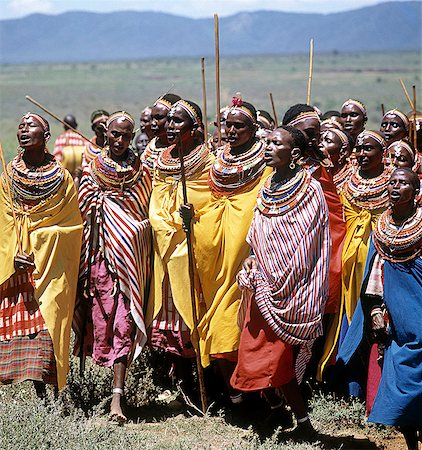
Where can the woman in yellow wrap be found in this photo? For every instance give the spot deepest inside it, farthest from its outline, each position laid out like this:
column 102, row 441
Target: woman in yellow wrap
column 169, row 313
column 365, row 198
column 37, row 285
column 220, row 236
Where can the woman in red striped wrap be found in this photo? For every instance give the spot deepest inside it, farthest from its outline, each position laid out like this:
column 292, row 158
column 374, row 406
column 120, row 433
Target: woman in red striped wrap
column 115, row 262
column 285, row 281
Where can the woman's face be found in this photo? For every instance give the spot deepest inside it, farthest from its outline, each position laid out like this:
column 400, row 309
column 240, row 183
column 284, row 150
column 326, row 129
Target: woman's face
column 393, row 128
column 401, row 189
column 369, row 154
column 179, row 125
column 311, row 128
column 31, row 134
column 331, row 145
column 239, row 129
column 159, row 120
column 119, row 136
column 398, row 156
column 278, row 149
column 352, row 119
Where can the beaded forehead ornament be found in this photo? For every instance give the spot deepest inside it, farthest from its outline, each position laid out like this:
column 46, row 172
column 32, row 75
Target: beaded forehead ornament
column 238, row 106
column 341, row 135
column 333, row 123
column 374, row 135
column 100, row 118
column 399, row 145
column 403, row 117
column 186, row 106
column 304, row 116
column 44, row 124
column 357, row 103
column 122, row 115
column 165, row 103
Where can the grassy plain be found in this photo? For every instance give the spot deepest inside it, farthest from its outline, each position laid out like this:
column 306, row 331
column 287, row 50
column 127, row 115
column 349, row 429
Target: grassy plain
column 81, row 88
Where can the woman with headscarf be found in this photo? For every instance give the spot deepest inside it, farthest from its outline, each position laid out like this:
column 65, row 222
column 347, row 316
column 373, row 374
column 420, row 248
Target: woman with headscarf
column 38, row 283
column 115, row 259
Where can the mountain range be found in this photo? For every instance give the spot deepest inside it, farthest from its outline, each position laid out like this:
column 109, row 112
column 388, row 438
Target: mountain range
column 87, row 36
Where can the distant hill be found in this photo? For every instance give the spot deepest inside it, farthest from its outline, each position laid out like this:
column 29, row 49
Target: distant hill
column 85, row 36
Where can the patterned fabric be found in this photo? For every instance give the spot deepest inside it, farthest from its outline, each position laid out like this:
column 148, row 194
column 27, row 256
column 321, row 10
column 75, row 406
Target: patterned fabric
column 91, row 151
column 28, row 358
column 124, row 235
column 292, row 251
column 68, row 138
column 19, row 311
column 150, row 155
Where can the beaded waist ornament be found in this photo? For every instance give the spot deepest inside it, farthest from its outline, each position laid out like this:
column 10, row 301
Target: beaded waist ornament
column 116, row 175
column 32, row 184
column 275, row 199
column 399, row 242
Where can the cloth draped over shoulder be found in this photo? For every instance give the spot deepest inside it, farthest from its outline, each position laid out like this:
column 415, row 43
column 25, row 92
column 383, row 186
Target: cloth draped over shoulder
column 124, row 240
column 292, row 252
column 51, row 231
column 169, row 238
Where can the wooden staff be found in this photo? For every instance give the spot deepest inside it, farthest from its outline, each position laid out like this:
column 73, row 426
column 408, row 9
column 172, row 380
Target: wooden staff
column 217, row 76
column 204, row 95
column 30, row 99
column 188, row 232
column 311, row 60
column 406, row 94
column 382, row 109
column 274, row 111
column 415, row 131
column 9, row 194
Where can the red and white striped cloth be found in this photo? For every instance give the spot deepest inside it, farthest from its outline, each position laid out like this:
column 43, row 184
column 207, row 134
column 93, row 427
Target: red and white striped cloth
column 292, row 251
column 68, row 138
column 124, row 240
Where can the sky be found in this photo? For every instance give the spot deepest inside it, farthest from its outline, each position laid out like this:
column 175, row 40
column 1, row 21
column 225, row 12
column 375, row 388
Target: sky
column 10, row 9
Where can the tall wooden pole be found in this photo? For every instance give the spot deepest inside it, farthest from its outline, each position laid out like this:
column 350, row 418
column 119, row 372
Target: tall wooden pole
column 311, row 60
column 382, row 109
column 407, row 95
column 274, row 110
column 415, row 130
column 9, row 194
column 30, row 99
column 217, row 76
column 204, row 95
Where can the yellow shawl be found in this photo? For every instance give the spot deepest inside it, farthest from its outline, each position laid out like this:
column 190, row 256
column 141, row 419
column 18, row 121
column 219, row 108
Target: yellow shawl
column 52, row 232
column 220, row 249
column 169, row 239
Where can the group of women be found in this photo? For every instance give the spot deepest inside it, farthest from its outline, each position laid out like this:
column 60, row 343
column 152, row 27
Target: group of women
column 306, row 243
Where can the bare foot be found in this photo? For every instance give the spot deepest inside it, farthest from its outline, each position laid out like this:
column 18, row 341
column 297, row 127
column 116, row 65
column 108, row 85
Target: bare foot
column 116, row 413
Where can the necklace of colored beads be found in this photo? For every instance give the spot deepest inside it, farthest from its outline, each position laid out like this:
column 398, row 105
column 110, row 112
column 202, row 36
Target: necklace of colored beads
column 167, row 165
column 91, row 152
column 116, row 175
column 277, row 198
column 33, row 184
column 399, row 242
column 368, row 193
column 341, row 176
column 150, row 154
column 232, row 172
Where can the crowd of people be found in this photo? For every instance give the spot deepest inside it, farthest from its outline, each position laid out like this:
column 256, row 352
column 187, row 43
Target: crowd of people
column 273, row 254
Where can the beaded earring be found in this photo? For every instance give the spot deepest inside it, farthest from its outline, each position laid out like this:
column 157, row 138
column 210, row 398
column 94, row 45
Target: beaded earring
column 292, row 165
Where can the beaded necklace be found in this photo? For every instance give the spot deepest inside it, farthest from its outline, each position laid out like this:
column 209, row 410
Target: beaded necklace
column 232, row 172
column 368, row 193
column 277, row 198
column 91, row 151
column 116, row 175
column 150, row 154
column 399, row 242
column 341, row 176
column 167, row 165
column 33, row 184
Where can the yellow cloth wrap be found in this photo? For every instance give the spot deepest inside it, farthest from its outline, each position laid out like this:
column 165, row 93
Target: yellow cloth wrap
column 52, row 232
column 359, row 223
column 169, row 240
column 220, row 249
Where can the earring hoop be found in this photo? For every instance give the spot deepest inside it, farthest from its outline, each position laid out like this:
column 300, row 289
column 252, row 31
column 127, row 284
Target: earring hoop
column 292, row 165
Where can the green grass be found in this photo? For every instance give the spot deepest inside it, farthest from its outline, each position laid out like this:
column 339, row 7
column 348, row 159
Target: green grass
column 82, row 88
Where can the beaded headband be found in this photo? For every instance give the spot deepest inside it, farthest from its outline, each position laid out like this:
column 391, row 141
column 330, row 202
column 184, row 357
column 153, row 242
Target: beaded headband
column 238, row 106
column 120, row 115
column 405, row 145
column 99, row 119
column 374, row 135
column 357, row 103
column 163, row 102
column 44, row 124
column 402, row 116
column 261, row 118
column 344, row 140
column 333, row 122
column 303, row 116
column 184, row 104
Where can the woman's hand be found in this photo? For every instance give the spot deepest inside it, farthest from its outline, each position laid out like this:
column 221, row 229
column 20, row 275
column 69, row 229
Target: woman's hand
column 186, row 212
column 249, row 264
column 24, row 263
